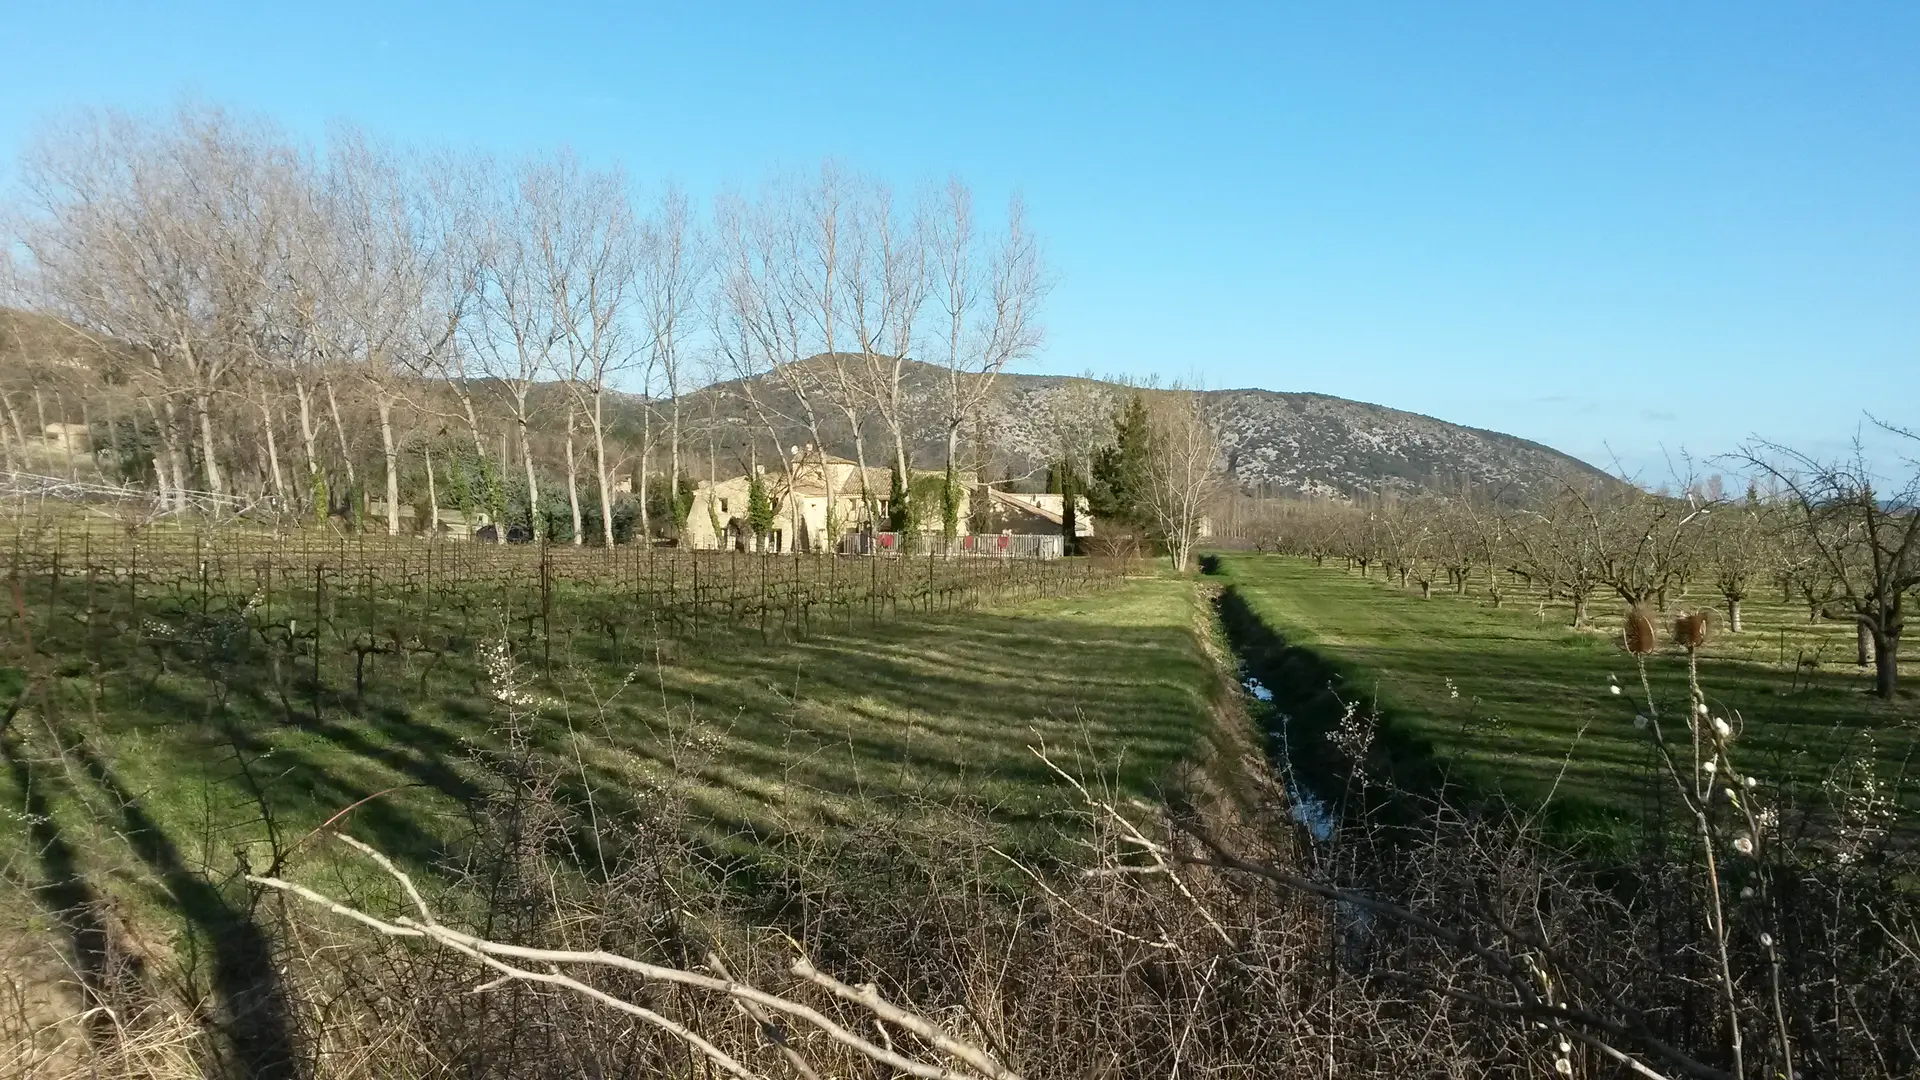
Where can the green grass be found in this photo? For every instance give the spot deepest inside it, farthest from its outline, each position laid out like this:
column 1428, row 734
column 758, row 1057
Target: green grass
column 1534, row 713
column 150, row 783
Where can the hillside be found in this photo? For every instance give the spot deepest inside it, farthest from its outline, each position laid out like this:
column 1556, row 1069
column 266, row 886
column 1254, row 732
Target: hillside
column 1280, row 442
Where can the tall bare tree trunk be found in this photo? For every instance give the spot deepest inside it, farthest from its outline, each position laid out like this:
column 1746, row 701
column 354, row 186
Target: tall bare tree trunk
column 273, row 454
column 860, row 459
column 1886, row 662
column 113, row 432
column 203, row 411
column 392, row 455
column 485, row 497
column 642, row 488
column 533, row 486
column 473, row 426
column 159, row 453
column 340, row 432
column 433, row 494
column 86, row 425
column 600, row 472
column 162, row 489
column 900, row 456
column 573, row 482
column 19, row 434
column 176, row 454
column 506, row 466
column 713, row 474
column 646, row 467
column 160, row 483
column 310, row 441
column 674, row 438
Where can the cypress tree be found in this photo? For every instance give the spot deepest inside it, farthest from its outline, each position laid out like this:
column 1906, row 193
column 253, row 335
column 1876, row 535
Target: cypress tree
column 1069, row 491
column 759, row 510
column 950, row 505
column 898, row 513
column 1118, row 490
column 682, row 504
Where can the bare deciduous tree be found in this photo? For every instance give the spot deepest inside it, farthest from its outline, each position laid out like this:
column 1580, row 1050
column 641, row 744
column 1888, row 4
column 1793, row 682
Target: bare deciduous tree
column 886, row 283
column 1864, row 535
column 988, row 291
column 585, row 238
column 1740, row 541
column 154, row 237
column 1183, row 470
column 519, row 326
column 770, row 325
column 673, row 267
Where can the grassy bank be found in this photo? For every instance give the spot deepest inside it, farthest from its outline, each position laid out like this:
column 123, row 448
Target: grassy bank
column 1513, row 701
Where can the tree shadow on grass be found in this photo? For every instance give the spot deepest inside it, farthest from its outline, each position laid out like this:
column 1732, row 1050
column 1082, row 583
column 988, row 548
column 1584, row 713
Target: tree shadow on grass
column 105, row 977
column 979, row 687
column 254, row 1012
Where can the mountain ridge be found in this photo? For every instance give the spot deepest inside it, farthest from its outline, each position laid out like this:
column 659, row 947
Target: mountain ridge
column 1278, row 441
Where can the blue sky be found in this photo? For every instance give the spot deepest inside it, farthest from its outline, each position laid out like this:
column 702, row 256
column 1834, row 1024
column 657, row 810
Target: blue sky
column 1623, row 230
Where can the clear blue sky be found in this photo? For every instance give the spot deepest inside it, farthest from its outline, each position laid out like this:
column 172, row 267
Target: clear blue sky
column 1625, row 226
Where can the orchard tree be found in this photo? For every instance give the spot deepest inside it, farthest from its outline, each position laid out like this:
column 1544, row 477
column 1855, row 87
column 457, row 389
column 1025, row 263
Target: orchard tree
column 1645, row 543
column 1740, row 547
column 1863, row 532
column 1559, row 546
column 1406, row 533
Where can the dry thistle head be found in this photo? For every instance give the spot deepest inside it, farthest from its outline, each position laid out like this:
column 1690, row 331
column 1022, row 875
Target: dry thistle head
column 1640, row 636
column 1691, row 630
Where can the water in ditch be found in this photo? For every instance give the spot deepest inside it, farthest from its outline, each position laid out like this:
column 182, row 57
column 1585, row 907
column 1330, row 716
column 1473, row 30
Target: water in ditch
column 1307, row 809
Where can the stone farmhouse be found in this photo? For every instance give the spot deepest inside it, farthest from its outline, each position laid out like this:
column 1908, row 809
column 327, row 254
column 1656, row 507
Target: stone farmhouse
column 801, row 505
column 1020, row 512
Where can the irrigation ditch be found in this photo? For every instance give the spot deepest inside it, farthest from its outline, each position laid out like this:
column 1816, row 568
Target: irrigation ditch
column 1326, row 736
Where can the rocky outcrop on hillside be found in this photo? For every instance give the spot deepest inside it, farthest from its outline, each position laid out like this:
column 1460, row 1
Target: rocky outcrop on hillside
column 1282, row 443
column 1313, row 443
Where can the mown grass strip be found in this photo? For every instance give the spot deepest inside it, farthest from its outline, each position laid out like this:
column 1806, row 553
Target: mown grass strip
column 1513, row 702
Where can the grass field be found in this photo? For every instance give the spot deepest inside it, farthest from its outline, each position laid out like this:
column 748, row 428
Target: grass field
column 1512, row 700
column 146, row 770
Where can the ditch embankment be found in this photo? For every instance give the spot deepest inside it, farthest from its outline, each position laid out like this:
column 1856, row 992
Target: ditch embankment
column 1340, row 750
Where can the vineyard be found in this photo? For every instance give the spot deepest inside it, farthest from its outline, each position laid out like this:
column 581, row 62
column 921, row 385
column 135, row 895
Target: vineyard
column 249, row 683
column 362, row 588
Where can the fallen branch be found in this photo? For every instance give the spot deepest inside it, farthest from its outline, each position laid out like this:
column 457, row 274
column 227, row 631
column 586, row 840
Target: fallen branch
column 976, row 1061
